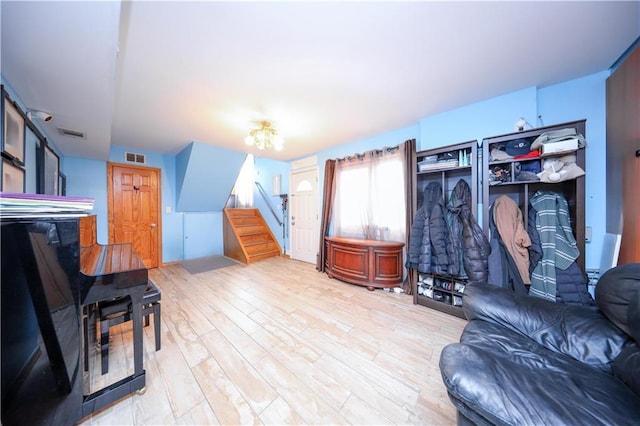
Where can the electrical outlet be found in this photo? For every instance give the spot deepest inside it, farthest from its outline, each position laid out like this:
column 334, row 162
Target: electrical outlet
column 593, row 275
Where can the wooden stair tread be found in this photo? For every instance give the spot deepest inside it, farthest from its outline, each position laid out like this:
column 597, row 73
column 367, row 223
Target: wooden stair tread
column 263, row 251
column 247, row 237
column 257, row 242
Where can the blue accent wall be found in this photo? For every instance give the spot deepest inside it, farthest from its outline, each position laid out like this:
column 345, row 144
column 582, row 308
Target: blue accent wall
column 491, row 117
column 208, row 178
column 265, row 169
column 203, row 235
column 182, row 162
column 185, row 175
column 585, row 98
column 88, row 178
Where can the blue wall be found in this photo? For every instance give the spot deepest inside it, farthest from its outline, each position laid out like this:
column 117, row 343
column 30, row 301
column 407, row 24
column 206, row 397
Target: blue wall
column 583, row 98
column 206, row 166
column 265, row 169
column 477, row 121
column 203, row 234
column 88, row 178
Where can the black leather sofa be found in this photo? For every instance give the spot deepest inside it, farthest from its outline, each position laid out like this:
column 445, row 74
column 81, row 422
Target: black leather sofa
column 528, row 361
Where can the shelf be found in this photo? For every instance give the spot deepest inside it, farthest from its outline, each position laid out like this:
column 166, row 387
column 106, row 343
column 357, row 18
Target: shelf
column 440, row 306
column 448, row 177
column 523, row 160
column 520, row 182
column 573, row 190
column 444, row 169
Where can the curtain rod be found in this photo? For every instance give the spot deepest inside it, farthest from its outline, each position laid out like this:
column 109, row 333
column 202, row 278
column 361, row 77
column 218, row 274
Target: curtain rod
column 362, row 155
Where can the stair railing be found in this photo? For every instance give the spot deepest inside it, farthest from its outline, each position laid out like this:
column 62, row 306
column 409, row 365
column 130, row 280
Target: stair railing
column 265, row 197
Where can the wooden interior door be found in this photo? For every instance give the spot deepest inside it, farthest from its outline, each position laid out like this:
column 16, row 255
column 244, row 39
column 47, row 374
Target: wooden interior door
column 623, row 156
column 134, row 209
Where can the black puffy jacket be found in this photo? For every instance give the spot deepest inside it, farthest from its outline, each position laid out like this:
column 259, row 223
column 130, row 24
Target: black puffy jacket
column 469, row 246
column 429, row 236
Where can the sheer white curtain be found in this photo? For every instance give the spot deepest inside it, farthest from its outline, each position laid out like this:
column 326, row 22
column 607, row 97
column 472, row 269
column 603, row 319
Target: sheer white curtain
column 243, row 188
column 370, row 196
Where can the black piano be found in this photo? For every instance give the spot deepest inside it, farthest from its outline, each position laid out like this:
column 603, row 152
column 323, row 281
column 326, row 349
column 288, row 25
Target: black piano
column 49, row 284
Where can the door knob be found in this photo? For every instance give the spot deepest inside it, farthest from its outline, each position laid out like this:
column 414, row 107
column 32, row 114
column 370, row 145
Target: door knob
column 153, row 225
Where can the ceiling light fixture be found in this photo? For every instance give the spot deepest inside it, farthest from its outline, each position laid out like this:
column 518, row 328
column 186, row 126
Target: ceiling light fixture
column 41, row 115
column 265, row 137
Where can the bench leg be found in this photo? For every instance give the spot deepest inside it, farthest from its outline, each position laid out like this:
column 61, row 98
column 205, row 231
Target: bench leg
column 104, row 345
column 156, row 324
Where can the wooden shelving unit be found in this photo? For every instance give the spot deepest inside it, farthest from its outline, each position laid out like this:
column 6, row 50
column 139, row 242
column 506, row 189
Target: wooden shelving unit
column 521, row 191
column 447, row 174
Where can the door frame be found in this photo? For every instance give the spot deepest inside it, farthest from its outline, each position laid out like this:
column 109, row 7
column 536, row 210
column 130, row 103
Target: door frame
column 110, row 202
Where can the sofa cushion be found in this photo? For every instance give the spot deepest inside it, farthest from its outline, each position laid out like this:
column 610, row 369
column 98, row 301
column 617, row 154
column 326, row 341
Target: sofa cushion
column 507, row 378
column 581, row 332
column 626, row 367
column 616, row 289
column 633, row 316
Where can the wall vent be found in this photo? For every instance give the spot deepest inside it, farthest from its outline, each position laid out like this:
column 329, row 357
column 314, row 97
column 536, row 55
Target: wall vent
column 132, row 157
column 72, row 133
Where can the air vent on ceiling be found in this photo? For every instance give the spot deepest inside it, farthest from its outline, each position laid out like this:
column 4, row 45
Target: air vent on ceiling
column 132, row 157
column 72, row 133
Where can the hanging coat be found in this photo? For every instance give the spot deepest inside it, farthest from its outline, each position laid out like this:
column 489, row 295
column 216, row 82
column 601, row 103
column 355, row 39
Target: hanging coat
column 429, row 235
column 508, row 219
column 469, row 246
column 503, row 271
column 557, row 260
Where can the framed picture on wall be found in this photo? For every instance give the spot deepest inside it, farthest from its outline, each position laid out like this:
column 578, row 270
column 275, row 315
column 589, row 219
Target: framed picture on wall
column 12, row 177
column 12, row 129
column 51, row 171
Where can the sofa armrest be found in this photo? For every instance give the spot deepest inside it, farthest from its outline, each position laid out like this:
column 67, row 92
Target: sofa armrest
column 580, row 332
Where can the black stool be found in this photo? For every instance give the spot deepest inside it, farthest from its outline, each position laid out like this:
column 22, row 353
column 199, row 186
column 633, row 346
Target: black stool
column 119, row 310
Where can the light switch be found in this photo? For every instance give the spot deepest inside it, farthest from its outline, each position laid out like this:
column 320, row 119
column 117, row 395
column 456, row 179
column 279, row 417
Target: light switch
column 587, row 234
column 168, row 209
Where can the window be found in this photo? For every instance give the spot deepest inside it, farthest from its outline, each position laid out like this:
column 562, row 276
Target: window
column 370, row 197
column 243, row 188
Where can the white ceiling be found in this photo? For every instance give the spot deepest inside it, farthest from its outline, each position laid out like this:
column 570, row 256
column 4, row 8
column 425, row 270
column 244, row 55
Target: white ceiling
column 158, row 75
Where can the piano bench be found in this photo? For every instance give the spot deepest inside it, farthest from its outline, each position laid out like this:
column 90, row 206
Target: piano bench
column 118, row 311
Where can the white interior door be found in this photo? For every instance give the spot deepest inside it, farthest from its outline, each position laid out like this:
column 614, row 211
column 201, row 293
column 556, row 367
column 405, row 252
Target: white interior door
column 304, row 215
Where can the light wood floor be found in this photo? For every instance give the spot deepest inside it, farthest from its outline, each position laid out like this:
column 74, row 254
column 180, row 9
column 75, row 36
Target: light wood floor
column 277, row 342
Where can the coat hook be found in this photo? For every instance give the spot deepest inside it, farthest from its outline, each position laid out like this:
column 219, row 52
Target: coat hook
column 137, row 188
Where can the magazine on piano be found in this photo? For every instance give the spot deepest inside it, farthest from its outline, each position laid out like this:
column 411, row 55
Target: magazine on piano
column 18, row 205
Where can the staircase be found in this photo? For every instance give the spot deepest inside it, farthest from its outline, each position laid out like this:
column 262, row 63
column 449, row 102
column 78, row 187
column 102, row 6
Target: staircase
column 247, row 238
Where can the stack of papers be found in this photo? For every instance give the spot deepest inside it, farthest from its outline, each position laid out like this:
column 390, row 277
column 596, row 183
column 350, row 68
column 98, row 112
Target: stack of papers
column 15, row 205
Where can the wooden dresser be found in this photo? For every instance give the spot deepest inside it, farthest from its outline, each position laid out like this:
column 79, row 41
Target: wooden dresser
column 370, row 263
